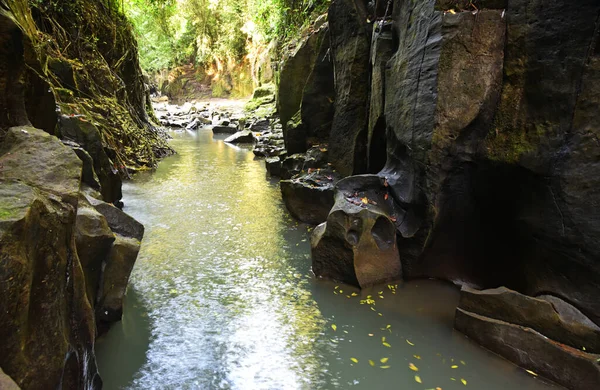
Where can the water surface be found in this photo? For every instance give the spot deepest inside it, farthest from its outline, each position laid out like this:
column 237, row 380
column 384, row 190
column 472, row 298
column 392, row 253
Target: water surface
column 222, row 297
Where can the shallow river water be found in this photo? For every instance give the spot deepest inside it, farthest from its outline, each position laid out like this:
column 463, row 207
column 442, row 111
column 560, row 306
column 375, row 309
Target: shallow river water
column 222, row 297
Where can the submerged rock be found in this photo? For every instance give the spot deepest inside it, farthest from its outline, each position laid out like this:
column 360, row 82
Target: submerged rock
column 241, row 137
column 218, row 129
column 548, row 315
column 532, row 350
column 357, row 243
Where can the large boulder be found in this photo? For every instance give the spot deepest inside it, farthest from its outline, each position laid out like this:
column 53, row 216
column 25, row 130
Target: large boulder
column 551, row 316
column 47, row 325
column 357, row 243
column 565, row 365
column 241, row 137
column 350, row 48
column 86, row 134
column 308, row 197
column 115, row 278
column 94, row 240
column 118, row 221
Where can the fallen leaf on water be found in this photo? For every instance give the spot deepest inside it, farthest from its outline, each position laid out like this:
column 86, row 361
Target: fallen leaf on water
column 531, row 372
column 418, row 379
column 380, row 315
column 408, row 341
column 355, row 360
column 354, row 294
column 384, row 367
column 413, row 367
column 455, row 366
column 370, row 334
column 334, row 327
column 387, row 345
column 463, row 363
column 464, row 381
column 345, row 331
column 417, row 357
column 372, row 363
column 383, row 360
column 383, row 339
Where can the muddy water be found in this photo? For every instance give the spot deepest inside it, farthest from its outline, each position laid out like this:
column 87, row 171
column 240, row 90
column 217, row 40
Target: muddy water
column 222, row 297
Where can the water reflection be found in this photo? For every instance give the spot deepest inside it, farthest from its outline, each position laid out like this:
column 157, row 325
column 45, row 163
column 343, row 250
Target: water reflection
column 222, row 297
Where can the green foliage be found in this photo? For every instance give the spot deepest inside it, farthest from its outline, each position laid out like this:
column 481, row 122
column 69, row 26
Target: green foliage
column 211, row 33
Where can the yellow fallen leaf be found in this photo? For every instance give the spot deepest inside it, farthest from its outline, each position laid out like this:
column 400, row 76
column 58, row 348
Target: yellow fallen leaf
column 372, row 363
column 364, row 200
column 387, row 345
column 384, row 367
column 455, row 366
column 380, row 315
column 531, row 372
column 463, row 363
column 382, row 338
column 383, row 360
column 464, row 381
column 409, row 343
column 354, row 294
column 418, row 379
column 413, row 367
column 355, row 360
column 417, row 357
column 334, row 327
column 371, row 334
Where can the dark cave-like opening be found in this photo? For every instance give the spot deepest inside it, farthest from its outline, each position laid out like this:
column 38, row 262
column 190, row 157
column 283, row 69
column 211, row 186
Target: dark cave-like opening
column 378, row 147
column 486, row 218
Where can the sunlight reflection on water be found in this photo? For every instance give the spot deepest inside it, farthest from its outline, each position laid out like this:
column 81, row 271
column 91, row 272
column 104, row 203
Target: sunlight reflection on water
column 222, row 297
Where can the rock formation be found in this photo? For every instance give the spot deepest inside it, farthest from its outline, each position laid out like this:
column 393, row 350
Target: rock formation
column 481, row 119
column 73, row 121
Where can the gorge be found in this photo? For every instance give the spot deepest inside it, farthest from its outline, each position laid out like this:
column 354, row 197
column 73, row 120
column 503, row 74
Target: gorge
column 438, row 160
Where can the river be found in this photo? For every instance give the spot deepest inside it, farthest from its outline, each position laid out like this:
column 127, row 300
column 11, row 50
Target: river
column 222, row 297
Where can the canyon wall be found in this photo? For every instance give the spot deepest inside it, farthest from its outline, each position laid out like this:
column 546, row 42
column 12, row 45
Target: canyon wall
column 473, row 127
column 74, row 119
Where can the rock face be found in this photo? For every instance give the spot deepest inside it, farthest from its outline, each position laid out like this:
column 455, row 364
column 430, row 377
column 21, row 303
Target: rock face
column 482, row 123
column 294, row 75
column 542, row 335
column 61, row 260
column 85, row 134
column 357, row 244
column 47, row 328
column 350, row 48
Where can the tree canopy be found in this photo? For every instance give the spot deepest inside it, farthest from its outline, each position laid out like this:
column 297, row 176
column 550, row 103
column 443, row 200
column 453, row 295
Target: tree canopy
column 205, row 32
